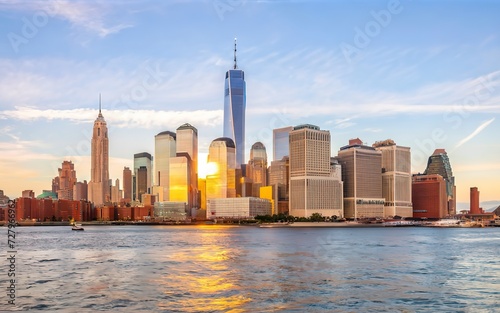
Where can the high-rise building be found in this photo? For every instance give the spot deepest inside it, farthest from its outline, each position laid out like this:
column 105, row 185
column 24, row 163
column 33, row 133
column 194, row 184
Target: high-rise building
column 80, row 191
column 396, row 178
column 127, row 184
column 439, row 163
column 362, row 177
column 144, row 160
column 429, row 196
column 27, row 194
column 98, row 192
column 67, row 180
column 312, row 187
column 222, row 157
column 234, row 109
column 164, row 150
column 474, row 201
column 142, row 180
column 279, row 177
column 116, row 192
column 257, row 168
column 187, row 148
column 281, row 142
column 180, row 189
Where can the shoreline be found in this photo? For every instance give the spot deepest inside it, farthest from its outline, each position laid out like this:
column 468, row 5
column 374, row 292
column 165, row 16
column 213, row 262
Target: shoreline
column 349, row 224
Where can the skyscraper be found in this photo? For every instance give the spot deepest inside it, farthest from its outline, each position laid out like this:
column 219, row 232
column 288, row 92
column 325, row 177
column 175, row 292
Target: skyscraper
column 313, row 188
column 99, row 166
column 144, row 160
column 396, row 178
column 67, row 180
column 361, row 173
column 127, row 184
column 234, row 109
column 164, row 150
column 439, row 163
column 183, row 186
column 281, row 142
column 222, row 157
column 257, row 167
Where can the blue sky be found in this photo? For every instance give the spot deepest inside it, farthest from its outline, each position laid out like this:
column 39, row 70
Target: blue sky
column 423, row 73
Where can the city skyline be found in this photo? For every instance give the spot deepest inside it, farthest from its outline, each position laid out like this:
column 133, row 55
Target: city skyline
column 322, row 63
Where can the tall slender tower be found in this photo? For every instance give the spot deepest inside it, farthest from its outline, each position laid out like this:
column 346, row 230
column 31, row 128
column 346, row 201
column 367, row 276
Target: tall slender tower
column 99, row 166
column 234, row 109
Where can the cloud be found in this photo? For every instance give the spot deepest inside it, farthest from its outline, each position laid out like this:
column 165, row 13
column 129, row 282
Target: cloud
column 476, row 132
column 119, row 118
column 92, row 16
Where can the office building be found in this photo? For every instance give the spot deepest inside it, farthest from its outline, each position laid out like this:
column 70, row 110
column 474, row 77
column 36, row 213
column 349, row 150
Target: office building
column 67, row 181
column 222, row 157
column 98, row 188
column 256, row 169
column 439, row 163
column 142, row 160
column 237, row 208
column 312, row 187
column 165, row 148
column 396, row 178
column 362, row 177
column 187, row 149
column 127, row 185
column 234, row 109
column 281, row 142
column 80, row 191
column 430, row 198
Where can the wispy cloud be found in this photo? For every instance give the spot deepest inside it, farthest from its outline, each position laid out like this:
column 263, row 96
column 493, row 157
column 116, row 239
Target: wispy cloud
column 476, row 132
column 119, row 118
column 93, row 16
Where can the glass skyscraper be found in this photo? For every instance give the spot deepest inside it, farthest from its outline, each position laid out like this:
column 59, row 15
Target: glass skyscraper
column 234, row 109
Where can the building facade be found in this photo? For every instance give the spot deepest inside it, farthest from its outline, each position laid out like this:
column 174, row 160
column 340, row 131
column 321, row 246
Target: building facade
column 238, row 208
column 281, row 142
column 396, row 178
column 98, row 187
column 234, row 109
column 362, row 177
column 142, row 160
column 127, row 185
column 165, row 148
column 257, row 167
column 222, row 157
column 474, row 201
column 313, row 189
column 67, row 180
column 187, row 148
column 430, row 198
column 439, row 163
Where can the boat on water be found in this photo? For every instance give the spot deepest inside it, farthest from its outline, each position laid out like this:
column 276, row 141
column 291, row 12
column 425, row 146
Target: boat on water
column 77, row 227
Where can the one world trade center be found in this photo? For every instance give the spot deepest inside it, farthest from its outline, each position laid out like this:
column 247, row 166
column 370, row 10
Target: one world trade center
column 234, row 109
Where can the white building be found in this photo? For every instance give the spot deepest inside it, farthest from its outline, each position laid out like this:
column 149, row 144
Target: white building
column 241, row 207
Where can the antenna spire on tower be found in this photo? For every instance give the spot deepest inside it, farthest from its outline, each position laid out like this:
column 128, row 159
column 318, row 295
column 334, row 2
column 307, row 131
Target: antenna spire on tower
column 235, row 65
column 100, row 104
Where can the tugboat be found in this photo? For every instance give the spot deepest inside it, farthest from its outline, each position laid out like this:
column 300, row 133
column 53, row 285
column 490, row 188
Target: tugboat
column 76, row 226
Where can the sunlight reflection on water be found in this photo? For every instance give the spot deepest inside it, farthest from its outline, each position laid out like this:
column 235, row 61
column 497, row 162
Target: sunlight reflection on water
column 247, row 269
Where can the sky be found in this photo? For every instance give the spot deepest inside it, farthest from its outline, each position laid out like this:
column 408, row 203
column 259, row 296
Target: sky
column 423, row 73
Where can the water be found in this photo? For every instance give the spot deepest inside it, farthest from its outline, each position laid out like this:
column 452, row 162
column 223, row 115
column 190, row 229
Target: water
column 249, row 269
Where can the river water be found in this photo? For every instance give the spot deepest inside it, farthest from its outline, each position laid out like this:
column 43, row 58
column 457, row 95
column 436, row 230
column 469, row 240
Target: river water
column 249, row 269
